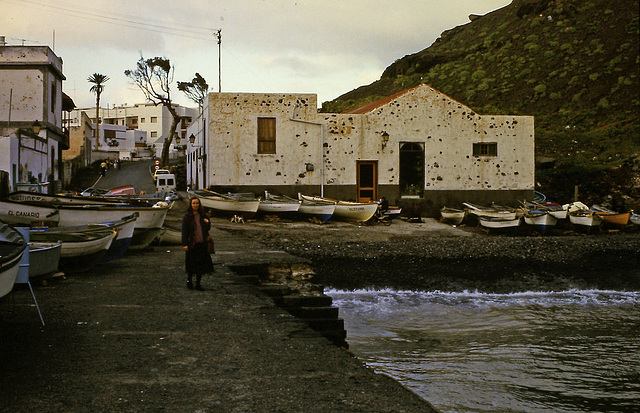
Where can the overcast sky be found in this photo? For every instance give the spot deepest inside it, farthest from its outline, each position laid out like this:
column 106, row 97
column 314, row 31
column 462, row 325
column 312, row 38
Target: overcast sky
column 326, row 47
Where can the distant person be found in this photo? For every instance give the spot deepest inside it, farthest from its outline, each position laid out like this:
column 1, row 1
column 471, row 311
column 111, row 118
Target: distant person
column 195, row 233
column 384, row 204
column 103, row 168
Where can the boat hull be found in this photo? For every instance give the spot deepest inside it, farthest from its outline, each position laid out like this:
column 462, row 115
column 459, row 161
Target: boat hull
column 43, row 258
column 454, row 216
column 616, row 220
column 500, row 224
column 246, row 208
column 12, row 248
column 354, row 211
column 541, row 222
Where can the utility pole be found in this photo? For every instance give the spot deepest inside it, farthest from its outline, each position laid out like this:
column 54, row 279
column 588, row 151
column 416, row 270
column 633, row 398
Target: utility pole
column 218, row 34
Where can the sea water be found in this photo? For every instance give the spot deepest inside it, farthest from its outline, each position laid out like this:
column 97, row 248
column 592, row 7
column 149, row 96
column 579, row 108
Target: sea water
column 572, row 351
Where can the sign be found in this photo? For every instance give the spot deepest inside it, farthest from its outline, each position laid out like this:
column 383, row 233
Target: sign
column 157, row 167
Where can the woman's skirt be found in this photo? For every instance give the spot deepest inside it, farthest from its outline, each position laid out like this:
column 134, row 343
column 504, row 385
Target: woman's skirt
column 198, row 259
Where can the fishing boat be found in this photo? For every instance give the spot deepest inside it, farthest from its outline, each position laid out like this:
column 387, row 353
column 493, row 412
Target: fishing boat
column 146, row 229
column 634, row 218
column 493, row 211
column 316, row 208
column 347, row 210
column 124, row 226
column 539, row 219
column 44, row 258
column 12, row 247
column 612, row 218
column 278, row 204
column 453, row 215
column 582, row 216
column 108, row 199
column 497, row 224
column 80, row 251
column 228, row 204
column 170, row 236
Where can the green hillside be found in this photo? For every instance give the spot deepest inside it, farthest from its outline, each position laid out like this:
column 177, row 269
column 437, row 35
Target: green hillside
column 574, row 65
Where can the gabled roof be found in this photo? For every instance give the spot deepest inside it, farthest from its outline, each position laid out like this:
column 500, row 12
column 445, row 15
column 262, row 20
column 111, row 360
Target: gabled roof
column 380, row 102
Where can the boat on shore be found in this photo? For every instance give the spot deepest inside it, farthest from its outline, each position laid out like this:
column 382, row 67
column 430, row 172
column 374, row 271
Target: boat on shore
column 539, row 219
column 452, row 215
column 581, row 215
column 228, row 204
column 612, row 218
column 347, row 210
column 44, row 258
column 493, row 211
column 634, row 218
column 320, row 209
column 12, row 247
column 80, row 251
column 278, row 204
column 497, row 224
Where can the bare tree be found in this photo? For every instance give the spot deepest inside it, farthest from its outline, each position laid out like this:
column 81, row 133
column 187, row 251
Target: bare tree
column 98, row 81
column 196, row 90
column 154, row 77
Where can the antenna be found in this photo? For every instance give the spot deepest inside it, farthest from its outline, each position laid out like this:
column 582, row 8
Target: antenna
column 218, row 34
column 54, row 40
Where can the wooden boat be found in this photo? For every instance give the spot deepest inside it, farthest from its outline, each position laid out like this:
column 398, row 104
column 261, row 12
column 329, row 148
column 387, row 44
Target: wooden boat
column 634, row 218
column 147, row 226
column 539, row 219
column 170, row 236
column 245, row 207
column 278, row 204
column 125, row 228
column 490, row 211
column 347, row 210
column 80, row 250
column 318, row 209
column 580, row 215
column 12, row 247
column 44, row 258
column 37, row 198
column 612, row 218
column 499, row 224
column 453, row 215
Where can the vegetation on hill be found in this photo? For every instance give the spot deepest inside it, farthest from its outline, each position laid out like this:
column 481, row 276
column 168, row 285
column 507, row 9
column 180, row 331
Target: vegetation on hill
column 573, row 64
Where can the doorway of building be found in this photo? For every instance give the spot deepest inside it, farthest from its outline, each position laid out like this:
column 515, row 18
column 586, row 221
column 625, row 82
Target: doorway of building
column 367, row 180
column 411, row 169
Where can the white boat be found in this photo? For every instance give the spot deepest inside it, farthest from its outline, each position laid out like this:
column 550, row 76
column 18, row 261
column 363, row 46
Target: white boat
column 245, row 207
column 147, row 226
column 80, row 251
column 347, row 210
column 580, row 215
column 634, row 218
column 499, row 224
column 453, row 215
column 540, row 220
column 125, row 228
column 492, row 211
column 316, row 209
column 44, row 258
column 278, row 204
column 12, row 247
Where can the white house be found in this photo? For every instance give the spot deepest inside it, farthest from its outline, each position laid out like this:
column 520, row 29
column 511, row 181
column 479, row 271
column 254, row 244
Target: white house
column 418, row 147
column 31, row 121
column 155, row 121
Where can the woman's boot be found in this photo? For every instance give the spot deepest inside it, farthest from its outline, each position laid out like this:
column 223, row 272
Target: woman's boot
column 189, row 282
column 198, row 279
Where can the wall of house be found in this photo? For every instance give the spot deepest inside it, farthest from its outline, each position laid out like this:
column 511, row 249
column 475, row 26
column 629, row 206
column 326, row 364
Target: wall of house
column 446, row 129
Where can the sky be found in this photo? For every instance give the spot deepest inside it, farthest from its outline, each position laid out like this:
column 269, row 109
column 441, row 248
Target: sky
column 327, row 47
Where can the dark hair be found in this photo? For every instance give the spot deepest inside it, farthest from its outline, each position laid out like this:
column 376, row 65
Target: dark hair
column 200, row 208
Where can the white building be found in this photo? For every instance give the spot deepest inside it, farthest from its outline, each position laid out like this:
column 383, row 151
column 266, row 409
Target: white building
column 31, row 95
column 416, row 148
column 155, row 121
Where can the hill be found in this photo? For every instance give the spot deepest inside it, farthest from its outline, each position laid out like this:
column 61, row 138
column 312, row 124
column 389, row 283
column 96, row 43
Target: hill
column 574, row 65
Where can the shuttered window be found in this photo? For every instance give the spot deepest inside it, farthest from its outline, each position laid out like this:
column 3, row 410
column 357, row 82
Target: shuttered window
column 266, row 135
column 485, row 149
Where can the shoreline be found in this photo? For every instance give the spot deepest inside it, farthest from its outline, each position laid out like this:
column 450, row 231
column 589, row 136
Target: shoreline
column 435, row 256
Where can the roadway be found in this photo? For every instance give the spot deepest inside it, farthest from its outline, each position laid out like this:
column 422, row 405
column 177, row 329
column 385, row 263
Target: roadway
column 136, row 173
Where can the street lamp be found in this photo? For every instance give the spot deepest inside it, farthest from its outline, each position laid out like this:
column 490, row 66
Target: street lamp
column 192, row 139
column 36, row 127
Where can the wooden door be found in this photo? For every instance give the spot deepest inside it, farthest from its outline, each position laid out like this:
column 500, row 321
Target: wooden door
column 367, row 180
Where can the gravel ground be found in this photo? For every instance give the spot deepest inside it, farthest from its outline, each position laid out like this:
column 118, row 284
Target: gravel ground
column 434, row 256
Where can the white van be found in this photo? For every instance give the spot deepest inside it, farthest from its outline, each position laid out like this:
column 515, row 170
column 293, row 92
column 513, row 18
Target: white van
column 165, row 183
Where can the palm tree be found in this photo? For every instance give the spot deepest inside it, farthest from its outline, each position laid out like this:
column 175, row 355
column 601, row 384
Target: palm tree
column 98, row 81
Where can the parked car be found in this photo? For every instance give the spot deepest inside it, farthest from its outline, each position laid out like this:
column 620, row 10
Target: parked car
column 160, row 172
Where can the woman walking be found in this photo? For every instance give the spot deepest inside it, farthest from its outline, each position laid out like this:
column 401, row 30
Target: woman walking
column 195, row 232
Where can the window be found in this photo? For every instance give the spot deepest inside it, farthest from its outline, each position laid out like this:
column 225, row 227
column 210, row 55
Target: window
column 154, row 119
column 154, row 134
column 485, row 149
column 266, row 135
column 141, row 120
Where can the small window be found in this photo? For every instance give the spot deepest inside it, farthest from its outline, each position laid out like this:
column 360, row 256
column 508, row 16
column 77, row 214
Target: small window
column 154, row 134
column 266, row 135
column 142, row 120
column 154, row 119
column 485, row 149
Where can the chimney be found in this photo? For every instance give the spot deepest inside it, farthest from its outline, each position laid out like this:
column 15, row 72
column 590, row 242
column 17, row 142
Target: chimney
column 2, row 41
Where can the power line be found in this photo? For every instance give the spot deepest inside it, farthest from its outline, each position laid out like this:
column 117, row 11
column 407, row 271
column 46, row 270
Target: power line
column 152, row 25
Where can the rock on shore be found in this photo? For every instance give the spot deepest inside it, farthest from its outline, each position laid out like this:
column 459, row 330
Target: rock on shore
column 349, row 257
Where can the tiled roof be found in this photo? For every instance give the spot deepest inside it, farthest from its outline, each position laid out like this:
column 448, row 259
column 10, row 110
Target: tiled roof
column 378, row 103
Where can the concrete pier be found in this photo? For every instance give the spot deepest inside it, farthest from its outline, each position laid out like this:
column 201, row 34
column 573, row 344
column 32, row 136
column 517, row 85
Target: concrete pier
column 129, row 336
